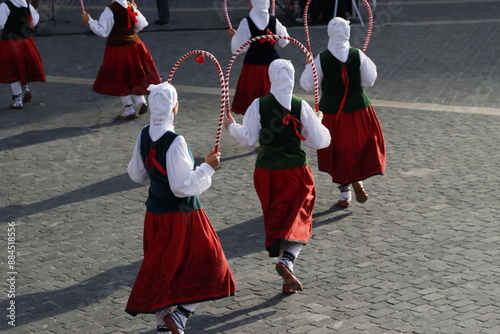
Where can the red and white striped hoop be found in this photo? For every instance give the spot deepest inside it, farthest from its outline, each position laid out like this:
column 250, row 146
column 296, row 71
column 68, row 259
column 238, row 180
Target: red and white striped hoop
column 226, row 14
column 200, row 54
column 370, row 25
column 300, row 45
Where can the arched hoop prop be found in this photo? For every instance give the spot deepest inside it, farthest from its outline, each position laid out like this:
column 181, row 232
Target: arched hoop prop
column 200, row 58
column 226, row 14
column 273, row 37
column 273, row 7
column 306, row 25
column 82, row 7
column 370, row 25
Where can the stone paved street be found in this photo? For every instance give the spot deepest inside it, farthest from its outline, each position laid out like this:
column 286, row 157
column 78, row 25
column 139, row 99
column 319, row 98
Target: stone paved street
column 422, row 255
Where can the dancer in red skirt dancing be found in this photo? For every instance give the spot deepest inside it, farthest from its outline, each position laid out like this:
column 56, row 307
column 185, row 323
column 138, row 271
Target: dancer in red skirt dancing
column 280, row 122
column 357, row 150
column 254, row 77
column 128, row 67
column 20, row 62
column 184, row 263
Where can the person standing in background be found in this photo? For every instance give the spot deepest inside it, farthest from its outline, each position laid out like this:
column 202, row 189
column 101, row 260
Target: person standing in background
column 20, row 61
column 163, row 12
column 128, row 67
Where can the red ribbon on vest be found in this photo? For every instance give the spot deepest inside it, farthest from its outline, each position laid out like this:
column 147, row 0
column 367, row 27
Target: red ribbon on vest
column 296, row 125
column 151, row 160
column 345, row 79
column 132, row 17
column 271, row 40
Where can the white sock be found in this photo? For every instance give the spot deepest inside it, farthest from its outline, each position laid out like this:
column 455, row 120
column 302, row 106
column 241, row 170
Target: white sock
column 126, row 100
column 139, row 99
column 17, row 88
column 289, row 252
column 25, row 88
column 161, row 326
column 181, row 314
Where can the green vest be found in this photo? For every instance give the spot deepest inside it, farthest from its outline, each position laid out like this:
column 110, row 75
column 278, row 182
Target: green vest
column 333, row 87
column 280, row 147
column 161, row 199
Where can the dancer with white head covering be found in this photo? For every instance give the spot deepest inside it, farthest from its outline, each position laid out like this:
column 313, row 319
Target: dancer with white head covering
column 357, row 150
column 281, row 122
column 254, row 78
column 184, row 263
column 128, row 67
column 20, row 61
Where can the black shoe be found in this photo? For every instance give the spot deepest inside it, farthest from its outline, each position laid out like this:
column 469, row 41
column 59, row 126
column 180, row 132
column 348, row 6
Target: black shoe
column 162, row 23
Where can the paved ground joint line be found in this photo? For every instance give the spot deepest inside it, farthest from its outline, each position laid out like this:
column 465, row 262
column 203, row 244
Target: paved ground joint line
column 376, row 103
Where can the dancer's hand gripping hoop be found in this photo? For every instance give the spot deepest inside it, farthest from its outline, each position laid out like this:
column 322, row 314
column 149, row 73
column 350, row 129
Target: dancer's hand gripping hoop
column 200, row 57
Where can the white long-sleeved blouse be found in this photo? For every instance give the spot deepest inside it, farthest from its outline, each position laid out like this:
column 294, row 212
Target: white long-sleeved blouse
column 243, row 34
column 183, row 180
column 367, row 68
column 316, row 134
column 5, row 11
column 103, row 26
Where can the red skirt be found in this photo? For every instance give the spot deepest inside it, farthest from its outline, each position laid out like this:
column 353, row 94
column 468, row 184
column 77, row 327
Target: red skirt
column 253, row 83
column 183, row 263
column 287, row 197
column 125, row 70
column 20, row 61
column 357, row 149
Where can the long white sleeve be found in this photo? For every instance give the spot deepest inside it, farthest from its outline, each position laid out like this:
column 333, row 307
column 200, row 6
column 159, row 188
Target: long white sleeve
column 184, row 181
column 247, row 134
column 307, row 77
column 241, row 36
column 316, row 134
column 103, row 26
column 4, row 14
column 368, row 70
column 281, row 30
column 135, row 168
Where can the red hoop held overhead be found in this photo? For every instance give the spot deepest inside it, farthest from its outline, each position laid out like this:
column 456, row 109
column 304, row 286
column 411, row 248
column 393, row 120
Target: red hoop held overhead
column 270, row 37
column 370, row 25
column 82, row 7
column 224, row 92
column 226, row 14
column 306, row 25
column 368, row 32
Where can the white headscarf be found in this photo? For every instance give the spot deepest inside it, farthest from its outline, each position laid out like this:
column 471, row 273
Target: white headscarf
column 162, row 100
column 281, row 75
column 260, row 13
column 19, row 3
column 339, row 32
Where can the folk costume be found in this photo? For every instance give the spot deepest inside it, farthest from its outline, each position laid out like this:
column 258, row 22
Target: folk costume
column 283, row 180
column 128, row 67
column 254, row 78
column 183, row 259
column 20, row 61
column 357, row 150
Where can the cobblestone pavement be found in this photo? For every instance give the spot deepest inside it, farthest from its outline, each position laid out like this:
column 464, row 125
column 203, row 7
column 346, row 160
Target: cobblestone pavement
column 421, row 256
